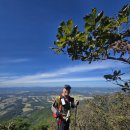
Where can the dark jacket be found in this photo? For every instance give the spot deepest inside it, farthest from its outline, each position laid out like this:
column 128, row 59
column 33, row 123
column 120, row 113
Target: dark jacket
column 63, row 109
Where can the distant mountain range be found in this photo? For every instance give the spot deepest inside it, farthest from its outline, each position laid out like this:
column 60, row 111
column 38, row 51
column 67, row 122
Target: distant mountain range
column 57, row 90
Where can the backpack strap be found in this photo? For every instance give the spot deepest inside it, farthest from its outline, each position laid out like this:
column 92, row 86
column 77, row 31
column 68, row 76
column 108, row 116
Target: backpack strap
column 71, row 99
column 59, row 103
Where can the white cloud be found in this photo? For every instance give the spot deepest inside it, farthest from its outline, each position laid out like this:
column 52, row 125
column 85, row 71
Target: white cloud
column 8, row 76
column 71, row 69
column 9, row 60
column 37, row 82
column 55, row 76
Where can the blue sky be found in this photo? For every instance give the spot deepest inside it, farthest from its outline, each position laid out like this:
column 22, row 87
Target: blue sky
column 29, row 27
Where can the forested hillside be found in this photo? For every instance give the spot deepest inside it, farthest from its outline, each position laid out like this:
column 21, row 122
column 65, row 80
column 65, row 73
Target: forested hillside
column 107, row 112
column 110, row 112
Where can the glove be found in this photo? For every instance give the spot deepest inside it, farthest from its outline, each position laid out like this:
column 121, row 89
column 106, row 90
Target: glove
column 77, row 103
column 58, row 114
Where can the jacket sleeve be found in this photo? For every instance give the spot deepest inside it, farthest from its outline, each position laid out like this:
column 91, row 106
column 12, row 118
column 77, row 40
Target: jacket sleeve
column 72, row 102
column 54, row 106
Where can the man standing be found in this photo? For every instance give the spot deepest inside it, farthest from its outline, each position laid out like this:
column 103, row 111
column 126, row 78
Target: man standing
column 61, row 108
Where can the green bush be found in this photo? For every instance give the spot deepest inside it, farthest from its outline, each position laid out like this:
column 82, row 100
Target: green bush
column 110, row 112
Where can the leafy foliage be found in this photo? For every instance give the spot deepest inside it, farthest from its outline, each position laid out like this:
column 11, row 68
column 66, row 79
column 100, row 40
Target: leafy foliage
column 99, row 41
column 103, row 38
column 17, row 124
column 38, row 120
column 116, row 78
column 109, row 112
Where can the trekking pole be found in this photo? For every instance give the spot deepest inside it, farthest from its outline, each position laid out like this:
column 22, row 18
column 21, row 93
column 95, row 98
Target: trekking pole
column 75, row 118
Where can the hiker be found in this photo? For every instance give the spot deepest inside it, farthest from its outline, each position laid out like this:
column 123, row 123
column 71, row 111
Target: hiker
column 61, row 108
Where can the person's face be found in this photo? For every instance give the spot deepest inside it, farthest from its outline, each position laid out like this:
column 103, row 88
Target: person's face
column 66, row 92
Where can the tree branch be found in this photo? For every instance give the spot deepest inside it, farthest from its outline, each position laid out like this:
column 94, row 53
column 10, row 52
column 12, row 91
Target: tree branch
column 119, row 59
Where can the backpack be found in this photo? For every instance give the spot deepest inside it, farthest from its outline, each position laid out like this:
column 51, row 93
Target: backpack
column 59, row 107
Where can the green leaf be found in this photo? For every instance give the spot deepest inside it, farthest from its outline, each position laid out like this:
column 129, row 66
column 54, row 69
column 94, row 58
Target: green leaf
column 62, row 24
column 88, row 27
column 107, row 24
column 108, row 77
column 56, row 50
column 60, row 30
column 115, row 73
column 94, row 11
column 90, row 21
column 74, row 31
column 123, row 15
column 99, row 16
column 81, row 37
column 70, row 25
column 64, row 28
column 123, row 19
column 125, row 11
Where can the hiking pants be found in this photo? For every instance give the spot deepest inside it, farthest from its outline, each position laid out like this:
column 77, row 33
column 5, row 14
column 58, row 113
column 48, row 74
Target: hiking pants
column 63, row 125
